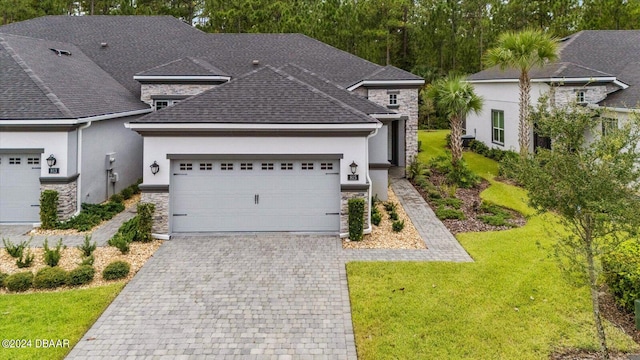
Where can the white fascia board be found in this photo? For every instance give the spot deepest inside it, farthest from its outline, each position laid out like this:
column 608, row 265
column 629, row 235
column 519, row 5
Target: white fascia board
column 619, row 109
column 251, row 127
column 77, row 121
column 557, row 80
column 386, row 83
column 181, row 77
column 386, row 116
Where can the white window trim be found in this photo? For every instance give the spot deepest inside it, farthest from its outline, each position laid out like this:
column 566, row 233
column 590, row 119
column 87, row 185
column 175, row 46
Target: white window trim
column 493, row 128
column 170, row 102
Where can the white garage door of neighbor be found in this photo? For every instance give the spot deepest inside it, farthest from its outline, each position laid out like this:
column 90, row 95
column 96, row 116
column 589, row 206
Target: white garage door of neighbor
column 19, row 187
column 259, row 195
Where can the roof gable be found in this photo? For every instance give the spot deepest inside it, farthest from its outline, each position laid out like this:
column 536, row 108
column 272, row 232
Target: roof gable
column 188, row 66
column 267, row 96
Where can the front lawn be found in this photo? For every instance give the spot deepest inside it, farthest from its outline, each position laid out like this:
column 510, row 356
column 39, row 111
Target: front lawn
column 64, row 315
column 511, row 303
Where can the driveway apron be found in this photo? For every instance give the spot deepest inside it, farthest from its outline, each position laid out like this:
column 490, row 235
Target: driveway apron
column 231, row 297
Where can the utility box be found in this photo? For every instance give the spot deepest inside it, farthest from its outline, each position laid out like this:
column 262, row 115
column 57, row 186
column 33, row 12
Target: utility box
column 637, row 313
column 466, row 139
column 109, row 159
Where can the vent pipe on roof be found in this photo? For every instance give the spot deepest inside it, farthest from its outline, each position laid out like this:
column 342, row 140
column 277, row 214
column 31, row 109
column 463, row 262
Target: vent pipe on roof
column 104, row 44
column 255, row 62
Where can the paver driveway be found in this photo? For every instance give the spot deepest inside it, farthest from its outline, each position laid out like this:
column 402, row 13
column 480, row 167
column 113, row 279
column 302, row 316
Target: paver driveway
column 231, row 297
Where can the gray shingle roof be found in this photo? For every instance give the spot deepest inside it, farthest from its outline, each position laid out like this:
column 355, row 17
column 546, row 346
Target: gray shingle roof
column 591, row 53
column 335, row 91
column 391, row 72
column 266, row 95
column 187, row 66
column 73, row 84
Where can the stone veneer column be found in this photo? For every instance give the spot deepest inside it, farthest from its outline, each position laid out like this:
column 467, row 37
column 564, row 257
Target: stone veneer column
column 408, row 98
column 351, row 192
column 159, row 196
column 67, row 189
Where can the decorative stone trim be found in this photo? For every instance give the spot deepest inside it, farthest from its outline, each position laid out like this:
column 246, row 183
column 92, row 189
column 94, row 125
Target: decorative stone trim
column 59, row 179
column 161, row 214
column 67, row 197
column 344, row 207
column 153, row 188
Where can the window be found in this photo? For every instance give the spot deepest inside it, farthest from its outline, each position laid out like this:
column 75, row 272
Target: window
column 226, row 166
column 307, row 166
column 161, row 104
column 580, row 97
column 206, row 166
column 393, row 99
column 33, row 161
column 497, row 127
column 326, row 166
column 246, row 166
column 267, row 166
column 14, row 161
column 608, row 125
column 186, row 166
column 286, row 166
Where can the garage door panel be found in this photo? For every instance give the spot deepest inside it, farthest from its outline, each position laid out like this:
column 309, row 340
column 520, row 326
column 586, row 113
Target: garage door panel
column 255, row 196
column 19, row 187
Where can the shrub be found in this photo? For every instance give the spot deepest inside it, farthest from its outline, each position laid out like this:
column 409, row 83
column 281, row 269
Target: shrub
column 3, row 277
column 393, row 216
column 356, row 219
column 82, row 222
column 25, row 260
column 450, row 202
column 15, row 251
column 50, row 278
column 444, row 213
column 494, row 220
column 494, row 209
column 127, row 193
column 87, row 247
column 462, row 176
column 397, row 226
column 416, row 171
column 622, row 273
column 48, row 209
column 52, row 256
column 129, row 229
column 419, row 146
column 145, row 221
column 81, row 275
column 116, row 198
column 376, row 218
column 120, row 242
column 390, row 206
column 88, row 260
column 116, row 270
column 19, row 282
column 478, row 147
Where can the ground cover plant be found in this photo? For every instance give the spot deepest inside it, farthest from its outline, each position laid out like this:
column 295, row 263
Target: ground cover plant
column 52, row 315
column 512, row 302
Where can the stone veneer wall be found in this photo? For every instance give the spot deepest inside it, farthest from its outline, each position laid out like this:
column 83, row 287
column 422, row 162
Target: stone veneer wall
column 344, row 208
column 161, row 214
column 565, row 95
column 148, row 90
column 67, row 198
column 408, row 106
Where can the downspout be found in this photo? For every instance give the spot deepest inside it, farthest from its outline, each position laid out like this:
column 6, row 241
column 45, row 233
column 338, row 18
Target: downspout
column 79, row 167
column 369, row 227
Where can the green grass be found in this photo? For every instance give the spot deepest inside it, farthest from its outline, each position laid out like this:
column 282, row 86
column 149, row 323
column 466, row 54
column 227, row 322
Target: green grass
column 511, row 303
column 53, row 315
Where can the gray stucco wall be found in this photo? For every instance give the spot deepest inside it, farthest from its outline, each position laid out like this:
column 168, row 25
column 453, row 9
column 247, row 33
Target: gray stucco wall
column 72, row 153
column 103, row 137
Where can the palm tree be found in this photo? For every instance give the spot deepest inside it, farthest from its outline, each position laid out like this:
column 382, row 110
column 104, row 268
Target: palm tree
column 523, row 51
column 455, row 97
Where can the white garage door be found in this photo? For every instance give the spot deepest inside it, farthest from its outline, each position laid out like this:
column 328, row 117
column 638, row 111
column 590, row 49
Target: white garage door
column 19, row 187
column 255, row 195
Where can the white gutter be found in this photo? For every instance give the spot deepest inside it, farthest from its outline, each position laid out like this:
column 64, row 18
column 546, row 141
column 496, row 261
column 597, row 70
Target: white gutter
column 386, row 83
column 79, row 169
column 617, row 109
column 82, row 120
column 183, row 78
column 229, row 126
column 557, row 80
column 391, row 116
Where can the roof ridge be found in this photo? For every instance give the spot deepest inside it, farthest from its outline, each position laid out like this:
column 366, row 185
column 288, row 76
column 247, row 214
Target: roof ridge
column 39, row 83
column 319, row 92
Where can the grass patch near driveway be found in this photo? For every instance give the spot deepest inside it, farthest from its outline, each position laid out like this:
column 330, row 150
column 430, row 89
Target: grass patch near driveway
column 51, row 316
column 511, row 303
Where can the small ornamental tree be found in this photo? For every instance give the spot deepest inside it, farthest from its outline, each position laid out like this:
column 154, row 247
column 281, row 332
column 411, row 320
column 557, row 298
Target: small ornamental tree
column 591, row 181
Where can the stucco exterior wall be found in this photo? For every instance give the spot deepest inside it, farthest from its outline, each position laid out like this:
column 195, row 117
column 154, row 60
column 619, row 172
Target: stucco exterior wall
column 149, row 90
column 54, row 143
column 503, row 97
column 102, row 137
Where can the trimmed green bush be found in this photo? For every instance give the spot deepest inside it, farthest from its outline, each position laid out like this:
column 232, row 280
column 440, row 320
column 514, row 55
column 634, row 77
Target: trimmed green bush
column 444, row 213
column 50, row 278
column 129, row 229
column 356, row 219
column 376, row 218
column 120, row 242
column 116, row 270
column 87, row 247
column 87, row 260
column 19, row 282
column 622, row 273
column 81, row 275
column 52, row 256
column 15, row 250
column 397, row 226
column 48, row 209
column 145, row 221
column 127, row 193
column 390, row 206
column 25, row 260
column 116, row 198
column 3, row 277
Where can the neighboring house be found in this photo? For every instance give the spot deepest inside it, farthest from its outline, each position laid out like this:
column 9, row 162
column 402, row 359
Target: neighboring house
column 598, row 68
column 249, row 132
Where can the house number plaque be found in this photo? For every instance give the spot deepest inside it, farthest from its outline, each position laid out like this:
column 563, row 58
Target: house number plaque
column 54, row 170
column 352, row 177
